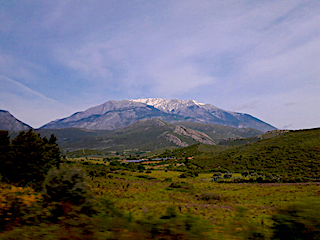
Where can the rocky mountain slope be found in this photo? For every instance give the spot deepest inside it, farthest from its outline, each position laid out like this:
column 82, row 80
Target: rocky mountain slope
column 146, row 134
column 119, row 114
column 10, row 123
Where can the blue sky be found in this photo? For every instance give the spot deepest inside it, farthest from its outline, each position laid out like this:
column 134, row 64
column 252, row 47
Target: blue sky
column 255, row 57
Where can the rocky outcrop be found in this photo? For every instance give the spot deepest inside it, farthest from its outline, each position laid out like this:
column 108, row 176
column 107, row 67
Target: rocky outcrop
column 171, row 138
column 196, row 135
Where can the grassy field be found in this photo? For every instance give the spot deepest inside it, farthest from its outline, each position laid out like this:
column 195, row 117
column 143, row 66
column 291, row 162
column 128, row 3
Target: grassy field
column 137, row 202
column 264, row 190
column 233, row 210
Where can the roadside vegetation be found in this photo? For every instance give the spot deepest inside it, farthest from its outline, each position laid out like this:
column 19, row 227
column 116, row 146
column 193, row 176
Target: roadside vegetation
column 203, row 192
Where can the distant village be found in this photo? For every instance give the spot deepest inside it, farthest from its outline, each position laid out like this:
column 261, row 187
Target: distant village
column 146, row 160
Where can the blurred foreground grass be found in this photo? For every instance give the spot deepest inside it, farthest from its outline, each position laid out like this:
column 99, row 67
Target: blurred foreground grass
column 160, row 205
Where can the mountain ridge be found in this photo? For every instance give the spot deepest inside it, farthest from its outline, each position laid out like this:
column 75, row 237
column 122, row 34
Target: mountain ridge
column 119, row 114
column 9, row 123
column 146, row 134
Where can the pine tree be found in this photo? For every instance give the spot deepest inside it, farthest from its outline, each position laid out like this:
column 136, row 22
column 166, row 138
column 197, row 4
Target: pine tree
column 29, row 158
column 4, row 148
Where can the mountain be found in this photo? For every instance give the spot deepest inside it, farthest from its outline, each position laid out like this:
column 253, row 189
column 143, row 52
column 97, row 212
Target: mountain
column 146, row 134
column 10, row 123
column 119, row 114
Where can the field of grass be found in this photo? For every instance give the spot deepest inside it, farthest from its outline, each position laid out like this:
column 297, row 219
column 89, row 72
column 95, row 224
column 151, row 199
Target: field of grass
column 233, row 210
column 140, row 200
column 209, row 192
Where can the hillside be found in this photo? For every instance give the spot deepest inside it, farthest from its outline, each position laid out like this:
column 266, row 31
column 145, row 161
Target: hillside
column 146, row 135
column 291, row 154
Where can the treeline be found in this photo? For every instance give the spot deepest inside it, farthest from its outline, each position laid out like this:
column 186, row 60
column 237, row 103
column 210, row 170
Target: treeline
column 26, row 159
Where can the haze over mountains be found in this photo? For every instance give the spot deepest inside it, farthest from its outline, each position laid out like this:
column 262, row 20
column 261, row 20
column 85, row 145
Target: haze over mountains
column 119, row 114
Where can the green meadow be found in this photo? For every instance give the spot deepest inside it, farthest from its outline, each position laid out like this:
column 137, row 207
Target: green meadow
column 90, row 198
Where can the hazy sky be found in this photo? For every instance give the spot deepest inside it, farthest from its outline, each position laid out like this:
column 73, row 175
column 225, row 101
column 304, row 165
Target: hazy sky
column 255, row 57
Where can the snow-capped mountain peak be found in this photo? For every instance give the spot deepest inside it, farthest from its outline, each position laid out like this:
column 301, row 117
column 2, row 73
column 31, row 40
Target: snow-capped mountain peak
column 167, row 105
column 119, row 114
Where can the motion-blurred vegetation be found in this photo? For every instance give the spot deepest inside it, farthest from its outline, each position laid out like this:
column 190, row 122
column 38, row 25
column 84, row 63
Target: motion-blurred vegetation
column 195, row 195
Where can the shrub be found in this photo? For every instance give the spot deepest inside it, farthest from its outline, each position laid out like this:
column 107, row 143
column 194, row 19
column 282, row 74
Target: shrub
column 189, row 174
column 181, row 185
column 168, row 179
column 143, row 176
column 67, row 184
column 210, row 196
column 68, row 191
column 245, row 173
column 297, row 221
column 17, row 206
column 172, row 225
column 227, row 175
column 217, row 174
column 183, row 175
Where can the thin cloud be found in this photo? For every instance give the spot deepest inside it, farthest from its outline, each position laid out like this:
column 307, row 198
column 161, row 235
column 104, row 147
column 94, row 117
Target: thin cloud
column 23, row 89
column 28, row 105
column 241, row 55
column 246, row 107
column 290, row 104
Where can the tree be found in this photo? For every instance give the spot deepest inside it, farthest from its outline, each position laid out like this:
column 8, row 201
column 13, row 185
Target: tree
column 4, row 140
column 4, row 148
column 30, row 158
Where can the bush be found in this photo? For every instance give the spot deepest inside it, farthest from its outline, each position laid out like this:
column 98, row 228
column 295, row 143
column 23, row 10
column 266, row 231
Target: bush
column 67, row 184
column 297, row 221
column 17, row 206
column 210, row 196
column 188, row 174
column 168, row 179
column 217, row 174
column 67, row 190
column 172, row 225
column 181, row 185
column 245, row 173
column 227, row 175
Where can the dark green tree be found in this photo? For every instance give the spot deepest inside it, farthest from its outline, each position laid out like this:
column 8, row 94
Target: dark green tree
column 4, row 140
column 4, row 148
column 30, row 158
